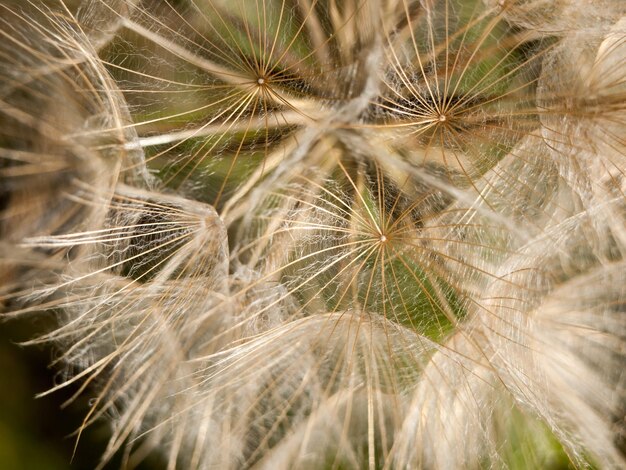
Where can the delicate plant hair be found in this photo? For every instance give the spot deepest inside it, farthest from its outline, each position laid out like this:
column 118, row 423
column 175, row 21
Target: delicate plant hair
column 321, row 234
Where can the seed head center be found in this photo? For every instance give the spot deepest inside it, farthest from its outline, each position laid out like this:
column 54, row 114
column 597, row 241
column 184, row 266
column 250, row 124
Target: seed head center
column 442, row 118
column 383, row 239
column 260, row 81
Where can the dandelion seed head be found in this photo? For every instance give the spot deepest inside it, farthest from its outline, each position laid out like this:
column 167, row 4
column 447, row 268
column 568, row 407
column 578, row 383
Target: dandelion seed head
column 331, row 234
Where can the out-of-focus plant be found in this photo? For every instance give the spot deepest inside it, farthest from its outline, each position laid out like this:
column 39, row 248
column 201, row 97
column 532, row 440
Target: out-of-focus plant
column 325, row 234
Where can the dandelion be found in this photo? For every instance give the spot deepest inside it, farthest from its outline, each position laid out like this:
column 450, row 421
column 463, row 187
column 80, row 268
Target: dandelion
column 320, row 234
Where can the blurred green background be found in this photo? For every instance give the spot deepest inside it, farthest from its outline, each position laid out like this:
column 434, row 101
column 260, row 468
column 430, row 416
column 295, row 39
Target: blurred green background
column 36, row 434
